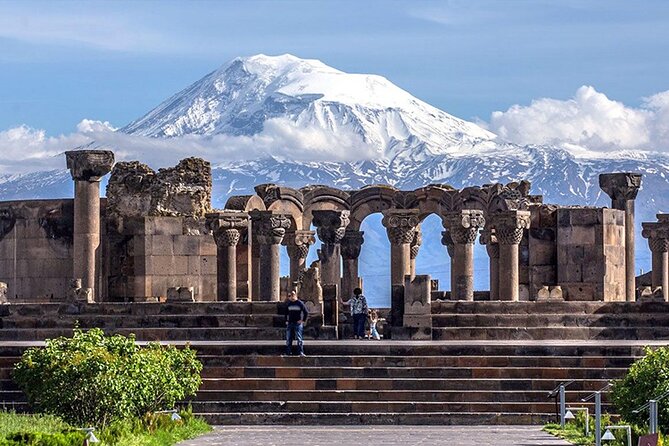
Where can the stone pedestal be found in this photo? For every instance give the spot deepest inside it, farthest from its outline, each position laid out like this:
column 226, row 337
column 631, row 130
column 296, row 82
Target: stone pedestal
column 350, row 251
column 489, row 239
column 269, row 229
column 417, row 311
column 298, row 244
column 463, row 227
column 401, row 227
column 623, row 189
column 226, row 228
column 658, row 241
column 330, row 227
column 87, row 168
column 509, row 226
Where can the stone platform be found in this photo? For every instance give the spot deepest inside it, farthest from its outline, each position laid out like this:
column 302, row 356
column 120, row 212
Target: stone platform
column 490, row 362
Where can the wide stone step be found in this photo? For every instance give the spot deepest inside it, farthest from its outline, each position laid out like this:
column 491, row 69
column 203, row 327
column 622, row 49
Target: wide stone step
column 499, row 307
column 413, row 372
column 320, row 406
column 390, row 395
column 549, row 333
column 375, row 418
column 158, row 321
column 605, row 320
column 393, row 384
column 415, row 361
column 174, row 334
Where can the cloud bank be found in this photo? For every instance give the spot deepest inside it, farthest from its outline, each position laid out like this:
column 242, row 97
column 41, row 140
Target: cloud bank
column 24, row 149
column 589, row 119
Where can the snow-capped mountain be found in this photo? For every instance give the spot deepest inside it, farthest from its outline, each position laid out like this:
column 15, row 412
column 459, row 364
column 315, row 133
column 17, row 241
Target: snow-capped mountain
column 396, row 139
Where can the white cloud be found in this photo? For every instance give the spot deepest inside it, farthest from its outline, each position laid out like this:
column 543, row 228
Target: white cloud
column 23, row 149
column 590, row 119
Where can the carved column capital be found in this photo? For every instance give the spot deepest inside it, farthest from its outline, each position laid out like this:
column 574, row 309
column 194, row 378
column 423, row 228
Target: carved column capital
column 298, row 243
column 509, row 226
column 657, row 234
column 416, row 242
column 269, row 227
column 330, row 225
column 226, row 226
column 464, row 225
column 89, row 165
column 351, row 244
column 447, row 241
column 401, row 225
column 489, row 239
column 620, row 186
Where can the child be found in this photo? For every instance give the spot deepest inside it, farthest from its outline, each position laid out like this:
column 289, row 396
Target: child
column 373, row 320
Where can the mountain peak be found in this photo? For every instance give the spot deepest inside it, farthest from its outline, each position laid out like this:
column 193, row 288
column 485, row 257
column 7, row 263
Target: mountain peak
column 246, row 94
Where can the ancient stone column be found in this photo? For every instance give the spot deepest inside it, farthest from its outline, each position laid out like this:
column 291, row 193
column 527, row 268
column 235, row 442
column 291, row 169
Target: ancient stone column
column 623, row 188
column 350, row 251
column 297, row 244
column 87, row 168
column 226, row 228
column 415, row 248
column 330, row 227
column 658, row 241
column 489, row 239
column 509, row 226
column 269, row 229
column 464, row 227
column 401, row 228
column 447, row 241
column 255, row 264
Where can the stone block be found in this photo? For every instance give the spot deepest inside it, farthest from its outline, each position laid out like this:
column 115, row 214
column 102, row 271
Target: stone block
column 207, row 245
column 556, row 293
column 3, row 293
column 543, row 294
column 194, row 265
column 580, row 291
column 523, row 292
column 577, row 235
column 569, row 272
column 417, row 295
column 418, row 320
column 593, row 272
column 208, row 265
column 181, row 294
column 330, row 305
column 187, row 245
column 160, row 245
column 164, row 225
column 180, row 265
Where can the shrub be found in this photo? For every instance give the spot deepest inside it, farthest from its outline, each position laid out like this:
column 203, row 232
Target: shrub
column 93, row 379
column 647, row 378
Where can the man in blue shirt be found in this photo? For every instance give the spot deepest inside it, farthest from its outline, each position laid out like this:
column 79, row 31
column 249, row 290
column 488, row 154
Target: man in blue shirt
column 296, row 316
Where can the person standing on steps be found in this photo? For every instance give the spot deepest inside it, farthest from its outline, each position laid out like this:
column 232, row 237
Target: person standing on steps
column 296, row 317
column 358, row 306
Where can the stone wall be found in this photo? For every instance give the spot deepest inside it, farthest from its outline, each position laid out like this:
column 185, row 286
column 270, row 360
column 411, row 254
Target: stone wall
column 36, row 248
column 148, row 255
column 591, row 253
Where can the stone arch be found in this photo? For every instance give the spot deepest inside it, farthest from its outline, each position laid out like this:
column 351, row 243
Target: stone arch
column 373, row 199
column 322, row 198
column 435, row 199
column 245, row 203
column 283, row 200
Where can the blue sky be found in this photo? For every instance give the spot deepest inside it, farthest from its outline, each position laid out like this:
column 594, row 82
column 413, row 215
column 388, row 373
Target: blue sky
column 61, row 62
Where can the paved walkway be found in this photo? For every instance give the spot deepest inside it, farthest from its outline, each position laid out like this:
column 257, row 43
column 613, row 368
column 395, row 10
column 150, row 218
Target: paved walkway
column 377, row 435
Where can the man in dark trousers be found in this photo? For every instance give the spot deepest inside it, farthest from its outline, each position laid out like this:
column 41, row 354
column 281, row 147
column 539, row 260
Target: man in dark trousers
column 296, row 317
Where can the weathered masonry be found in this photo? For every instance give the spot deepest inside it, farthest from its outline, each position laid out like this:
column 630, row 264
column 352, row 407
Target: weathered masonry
column 155, row 238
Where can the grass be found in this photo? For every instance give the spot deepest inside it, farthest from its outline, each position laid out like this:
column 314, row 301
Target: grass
column 573, row 434
column 47, row 430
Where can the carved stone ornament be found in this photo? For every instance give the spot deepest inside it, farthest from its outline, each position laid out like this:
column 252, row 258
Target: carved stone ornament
column 89, row 165
column 464, row 225
column 489, row 239
column 620, row 186
column 331, row 225
column 657, row 234
column 298, row 243
column 509, row 226
column 416, row 242
column 226, row 226
column 351, row 244
column 400, row 225
column 447, row 241
column 268, row 227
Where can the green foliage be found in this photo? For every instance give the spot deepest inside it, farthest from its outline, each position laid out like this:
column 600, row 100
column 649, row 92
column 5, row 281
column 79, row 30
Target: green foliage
column 647, row 378
column 93, row 379
column 150, row 430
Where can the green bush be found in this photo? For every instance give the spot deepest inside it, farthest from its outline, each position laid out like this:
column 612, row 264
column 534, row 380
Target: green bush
column 647, row 378
column 93, row 379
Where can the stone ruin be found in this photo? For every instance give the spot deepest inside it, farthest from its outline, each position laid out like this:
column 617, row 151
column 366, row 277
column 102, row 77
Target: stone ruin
column 155, row 238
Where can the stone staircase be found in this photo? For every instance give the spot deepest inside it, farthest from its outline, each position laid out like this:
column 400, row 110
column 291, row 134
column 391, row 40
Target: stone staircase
column 490, row 362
